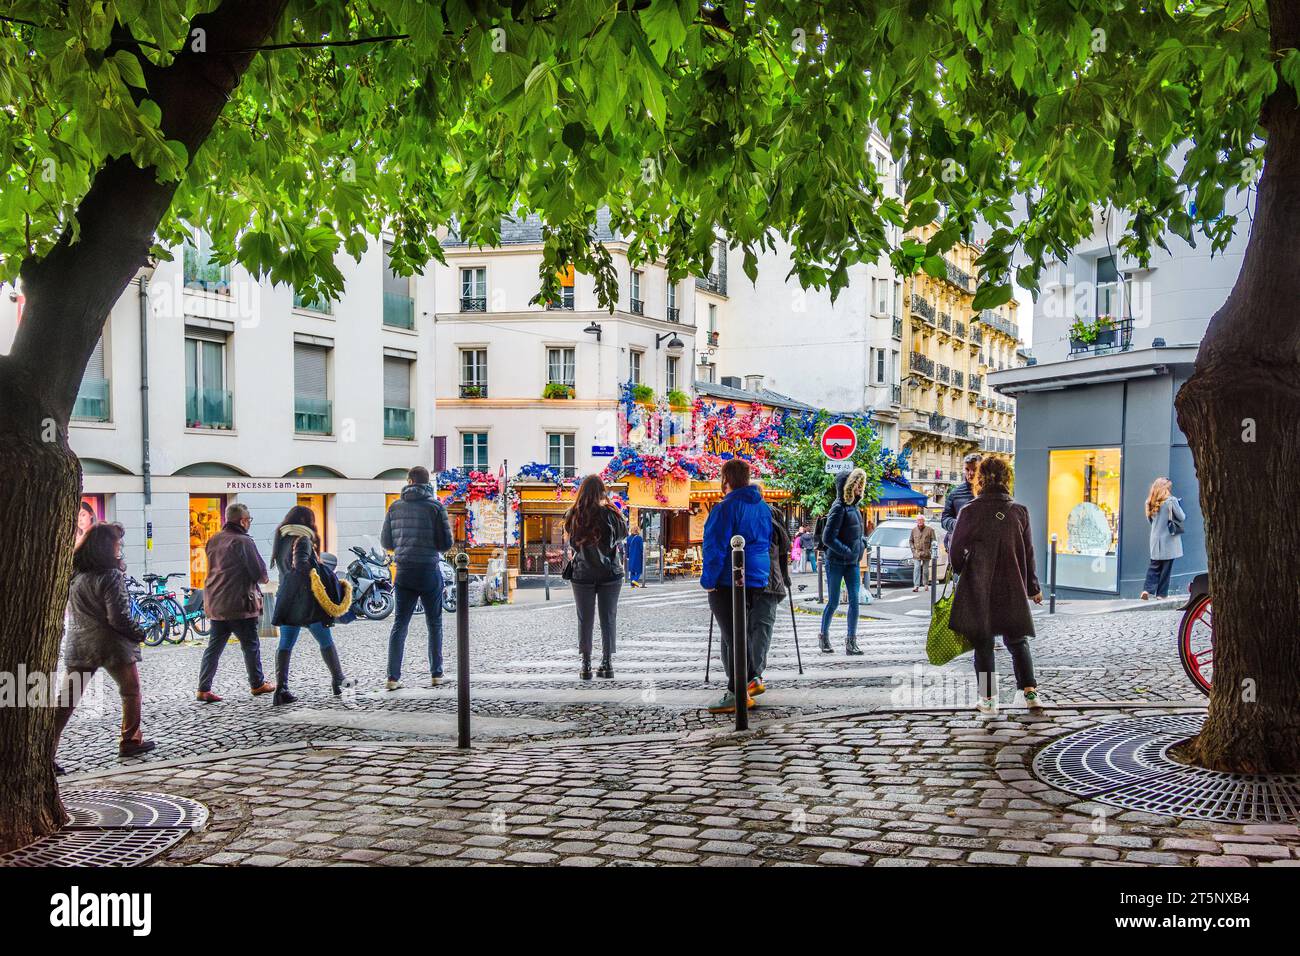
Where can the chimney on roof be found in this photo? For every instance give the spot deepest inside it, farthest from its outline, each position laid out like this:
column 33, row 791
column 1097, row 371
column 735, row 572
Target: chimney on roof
column 753, row 383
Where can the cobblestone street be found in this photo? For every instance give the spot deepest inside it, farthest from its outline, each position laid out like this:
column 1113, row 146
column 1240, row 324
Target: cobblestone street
column 525, row 682
column 889, row 789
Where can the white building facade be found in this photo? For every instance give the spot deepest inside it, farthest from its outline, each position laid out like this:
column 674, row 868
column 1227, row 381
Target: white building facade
column 254, row 397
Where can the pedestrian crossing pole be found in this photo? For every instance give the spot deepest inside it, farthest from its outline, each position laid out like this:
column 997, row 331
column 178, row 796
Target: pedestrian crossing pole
column 462, row 651
column 1051, row 579
column 739, row 629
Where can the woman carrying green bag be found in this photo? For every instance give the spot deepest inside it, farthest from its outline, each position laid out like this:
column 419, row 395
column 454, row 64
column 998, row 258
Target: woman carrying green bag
column 992, row 549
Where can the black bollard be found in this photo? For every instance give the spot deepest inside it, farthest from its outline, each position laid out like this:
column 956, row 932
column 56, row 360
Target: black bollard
column 546, row 574
column 821, row 567
column 462, row 650
column 934, row 574
column 880, row 574
column 739, row 649
column 1051, row 579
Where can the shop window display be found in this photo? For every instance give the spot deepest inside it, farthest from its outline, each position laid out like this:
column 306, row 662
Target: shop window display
column 1083, row 506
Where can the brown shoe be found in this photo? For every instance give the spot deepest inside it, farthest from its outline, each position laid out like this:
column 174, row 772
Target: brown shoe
column 266, row 688
column 135, row 749
column 207, row 697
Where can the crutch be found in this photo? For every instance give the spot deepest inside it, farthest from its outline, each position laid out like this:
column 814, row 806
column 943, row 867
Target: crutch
column 709, row 660
column 797, row 656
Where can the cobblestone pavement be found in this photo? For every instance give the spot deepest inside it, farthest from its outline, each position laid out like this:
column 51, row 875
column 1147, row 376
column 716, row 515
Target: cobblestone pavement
column 885, row 789
column 525, row 685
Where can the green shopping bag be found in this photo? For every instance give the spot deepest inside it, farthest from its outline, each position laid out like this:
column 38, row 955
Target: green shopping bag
column 942, row 643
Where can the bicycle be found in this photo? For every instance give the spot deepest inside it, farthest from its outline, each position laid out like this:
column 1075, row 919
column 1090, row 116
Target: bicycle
column 195, row 616
column 147, row 612
column 1196, row 635
column 177, row 622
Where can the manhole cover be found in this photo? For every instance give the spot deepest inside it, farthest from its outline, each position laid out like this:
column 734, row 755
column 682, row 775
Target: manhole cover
column 117, row 847
column 131, row 809
column 113, row 828
column 1125, row 763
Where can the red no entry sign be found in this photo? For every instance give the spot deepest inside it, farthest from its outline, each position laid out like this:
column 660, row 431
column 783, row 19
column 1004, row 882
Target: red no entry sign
column 839, row 442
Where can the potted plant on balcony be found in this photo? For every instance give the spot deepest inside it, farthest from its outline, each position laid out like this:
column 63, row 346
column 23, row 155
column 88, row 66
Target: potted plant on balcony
column 471, row 391
column 557, row 390
column 678, row 399
column 643, row 394
column 1088, row 334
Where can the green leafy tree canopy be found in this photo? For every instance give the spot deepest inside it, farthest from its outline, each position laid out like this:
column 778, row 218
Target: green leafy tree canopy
column 801, row 466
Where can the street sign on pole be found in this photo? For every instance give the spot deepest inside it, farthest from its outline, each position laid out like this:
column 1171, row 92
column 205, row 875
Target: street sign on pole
column 838, row 467
column 839, row 442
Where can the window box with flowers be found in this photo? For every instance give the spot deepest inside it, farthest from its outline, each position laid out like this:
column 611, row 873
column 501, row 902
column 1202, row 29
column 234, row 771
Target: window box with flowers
column 1089, row 334
column 643, row 394
column 557, row 390
column 678, row 399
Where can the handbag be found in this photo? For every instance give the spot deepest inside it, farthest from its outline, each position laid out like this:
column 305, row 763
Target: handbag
column 334, row 596
column 942, row 643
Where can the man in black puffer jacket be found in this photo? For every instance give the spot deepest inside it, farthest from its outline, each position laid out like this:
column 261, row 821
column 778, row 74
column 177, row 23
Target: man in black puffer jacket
column 416, row 529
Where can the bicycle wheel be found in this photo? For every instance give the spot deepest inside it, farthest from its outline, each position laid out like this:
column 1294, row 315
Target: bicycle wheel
column 152, row 620
column 1196, row 644
column 177, row 625
column 199, row 623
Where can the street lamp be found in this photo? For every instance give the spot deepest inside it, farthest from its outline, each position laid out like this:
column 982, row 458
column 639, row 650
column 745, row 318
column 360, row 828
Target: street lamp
column 593, row 329
column 674, row 343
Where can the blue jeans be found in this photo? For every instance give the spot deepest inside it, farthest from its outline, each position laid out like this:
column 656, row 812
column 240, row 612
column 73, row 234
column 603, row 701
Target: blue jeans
column 289, row 635
column 431, row 595
column 849, row 576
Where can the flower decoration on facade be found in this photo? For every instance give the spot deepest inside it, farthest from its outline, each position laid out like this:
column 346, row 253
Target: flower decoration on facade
column 467, row 486
column 893, row 464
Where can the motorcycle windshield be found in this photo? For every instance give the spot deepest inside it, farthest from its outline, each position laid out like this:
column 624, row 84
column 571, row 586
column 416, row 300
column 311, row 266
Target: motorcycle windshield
column 380, row 559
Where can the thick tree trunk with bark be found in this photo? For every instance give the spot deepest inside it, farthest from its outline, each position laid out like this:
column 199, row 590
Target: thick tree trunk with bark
column 1240, row 411
column 69, row 293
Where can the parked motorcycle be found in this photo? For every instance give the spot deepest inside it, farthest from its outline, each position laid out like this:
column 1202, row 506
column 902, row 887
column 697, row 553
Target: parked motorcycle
column 372, row 583
column 448, row 589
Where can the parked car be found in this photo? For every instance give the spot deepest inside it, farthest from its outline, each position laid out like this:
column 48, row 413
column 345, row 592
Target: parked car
column 892, row 536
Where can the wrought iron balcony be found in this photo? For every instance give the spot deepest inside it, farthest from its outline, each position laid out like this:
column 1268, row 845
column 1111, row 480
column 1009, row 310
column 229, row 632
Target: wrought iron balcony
column 976, row 382
column 896, row 329
column 473, row 390
column 674, row 314
column 959, row 378
column 1116, row 336
column 958, row 276
column 473, row 303
column 945, row 374
column 922, row 308
column 638, row 307
column 919, row 362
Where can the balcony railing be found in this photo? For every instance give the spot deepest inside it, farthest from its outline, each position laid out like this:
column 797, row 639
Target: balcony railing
column 962, row 431
column 976, row 334
column 976, row 382
column 959, row 329
column 945, row 322
column 959, row 378
column 919, row 362
column 563, row 304
column 1117, row 337
column 896, row 328
column 958, row 276
column 473, row 390
column 399, row 423
column 469, row 303
column 674, row 314
column 399, row 311
column 922, row 308
column 896, row 394
column 313, row 416
column 945, row 374
column 92, row 403
column 994, row 321
column 208, row 408
column 713, row 282
column 638, row 307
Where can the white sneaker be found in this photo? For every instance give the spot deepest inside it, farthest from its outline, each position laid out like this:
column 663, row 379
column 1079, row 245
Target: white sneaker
column 1033, row 701
column 394, row 685
column 988, row 706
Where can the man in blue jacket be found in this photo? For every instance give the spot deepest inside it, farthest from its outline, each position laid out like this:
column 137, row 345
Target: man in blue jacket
column 741, row 511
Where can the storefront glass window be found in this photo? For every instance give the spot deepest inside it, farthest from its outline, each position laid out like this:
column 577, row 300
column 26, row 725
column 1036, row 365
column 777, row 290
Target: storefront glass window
column 317, row 505
column 205, row 521
column 1083, row 503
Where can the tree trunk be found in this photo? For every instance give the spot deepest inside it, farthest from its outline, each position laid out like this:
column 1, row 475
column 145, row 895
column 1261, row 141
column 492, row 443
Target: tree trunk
column 69, row 294
column 1239, row 411
column 38, row 502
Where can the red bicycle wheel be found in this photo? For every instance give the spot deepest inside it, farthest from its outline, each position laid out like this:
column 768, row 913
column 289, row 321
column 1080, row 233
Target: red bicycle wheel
column 1196, row 643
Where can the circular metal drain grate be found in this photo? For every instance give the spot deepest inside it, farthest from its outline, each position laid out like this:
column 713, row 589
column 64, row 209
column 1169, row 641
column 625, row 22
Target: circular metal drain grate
column 113, row 828
column 132, row 809
column 1125, row 763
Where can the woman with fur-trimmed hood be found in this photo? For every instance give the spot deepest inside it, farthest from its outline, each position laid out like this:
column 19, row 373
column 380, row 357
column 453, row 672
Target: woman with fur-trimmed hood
column 303, row 599
column 844, row 541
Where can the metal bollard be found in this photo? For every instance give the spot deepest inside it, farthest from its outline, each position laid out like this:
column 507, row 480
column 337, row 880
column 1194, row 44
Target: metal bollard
column 546, row 575
column 1051, row 579
column 880, row 574
column 934, row 574
column 821, row 569
column 739, row 636
column 462, row 650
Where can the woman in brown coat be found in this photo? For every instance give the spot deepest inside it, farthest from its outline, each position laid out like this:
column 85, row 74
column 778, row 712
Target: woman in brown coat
column 102, row 633
column 992, row 549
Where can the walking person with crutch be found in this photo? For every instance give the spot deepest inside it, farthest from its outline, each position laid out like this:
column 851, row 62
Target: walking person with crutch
column 742, row 511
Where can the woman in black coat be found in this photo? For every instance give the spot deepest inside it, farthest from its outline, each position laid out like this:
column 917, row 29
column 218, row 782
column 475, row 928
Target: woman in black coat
column 302, row 600
column 992, row 549
column 595, row 529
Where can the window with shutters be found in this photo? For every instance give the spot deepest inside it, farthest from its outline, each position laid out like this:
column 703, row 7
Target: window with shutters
column 92, row 403
column 561, row 449
column 207, row 400
column 474, row 450
column 399, row 416
column 312, row 409
column 561, row 366
column 634, row 366
column 671, row 373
